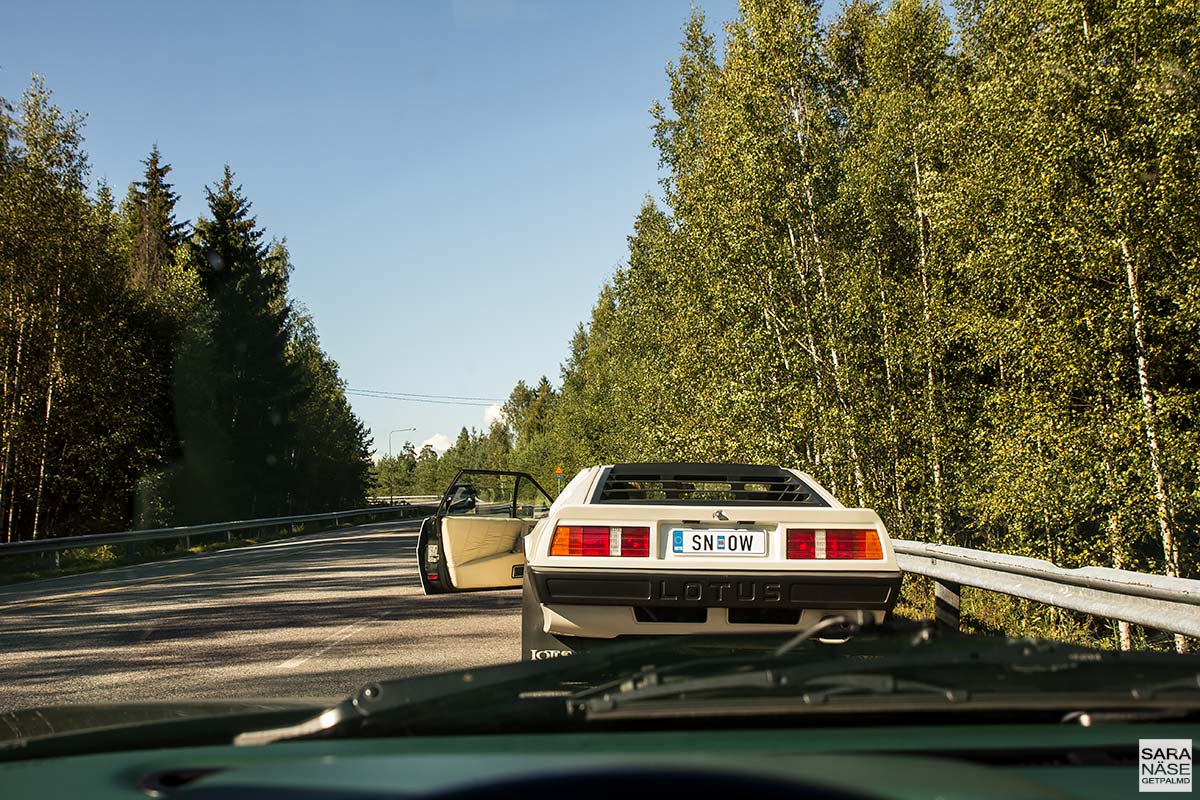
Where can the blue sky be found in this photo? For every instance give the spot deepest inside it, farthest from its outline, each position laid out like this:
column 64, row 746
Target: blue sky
column 455, row 180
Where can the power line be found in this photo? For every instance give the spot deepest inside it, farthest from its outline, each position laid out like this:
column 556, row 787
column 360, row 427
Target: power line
column 420, row 400
column 436, row 399
column 430, row 396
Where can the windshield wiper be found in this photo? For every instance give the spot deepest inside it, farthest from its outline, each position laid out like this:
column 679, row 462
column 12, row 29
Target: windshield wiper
column 1190, row 683
column 812, row 690
column 1148, row 693
column 441, row 701
column 885, row 668
column 405, row 705
column 646, row 685
column 889, row 671
column 812, row 683
column 873, row 683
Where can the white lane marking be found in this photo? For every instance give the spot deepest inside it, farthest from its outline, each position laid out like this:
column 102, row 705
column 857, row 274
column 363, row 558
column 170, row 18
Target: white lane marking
column 338, row 636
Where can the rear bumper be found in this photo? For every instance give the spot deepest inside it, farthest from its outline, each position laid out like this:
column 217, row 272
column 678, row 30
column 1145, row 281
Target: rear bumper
column 608, row 622
column 868, row 591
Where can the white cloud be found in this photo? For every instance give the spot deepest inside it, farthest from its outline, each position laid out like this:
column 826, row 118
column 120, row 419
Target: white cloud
column 491, row 414
column 440, row 442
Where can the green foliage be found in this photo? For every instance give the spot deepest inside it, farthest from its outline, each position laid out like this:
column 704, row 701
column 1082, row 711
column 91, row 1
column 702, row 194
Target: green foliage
column 955, row 274
column 265, row 427
column 147, row 376
column 330, row 449
column 75, row 429
column 152, row 229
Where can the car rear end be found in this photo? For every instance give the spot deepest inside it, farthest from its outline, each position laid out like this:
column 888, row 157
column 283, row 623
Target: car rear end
column 700, row 548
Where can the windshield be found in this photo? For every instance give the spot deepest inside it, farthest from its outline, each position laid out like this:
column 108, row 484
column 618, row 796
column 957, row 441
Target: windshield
column 490, row 493
column 342, row 345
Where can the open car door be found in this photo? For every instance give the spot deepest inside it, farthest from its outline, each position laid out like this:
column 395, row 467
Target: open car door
column 475, row 540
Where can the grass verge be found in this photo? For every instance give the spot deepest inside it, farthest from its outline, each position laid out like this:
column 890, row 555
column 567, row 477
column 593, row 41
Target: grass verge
column 994, row 613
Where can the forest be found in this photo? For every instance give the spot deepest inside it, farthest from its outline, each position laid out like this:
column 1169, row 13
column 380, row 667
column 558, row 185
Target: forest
column 946, row 261
column 947, row 266
column 153, row 371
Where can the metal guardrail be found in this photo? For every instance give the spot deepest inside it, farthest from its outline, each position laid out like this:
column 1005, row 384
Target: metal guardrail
column 1156, row 601
column 418, row 499
column 184, row 534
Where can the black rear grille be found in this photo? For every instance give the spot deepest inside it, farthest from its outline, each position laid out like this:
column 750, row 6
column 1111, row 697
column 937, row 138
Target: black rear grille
column 704, row 484
column 670, row 614
column 764, row 616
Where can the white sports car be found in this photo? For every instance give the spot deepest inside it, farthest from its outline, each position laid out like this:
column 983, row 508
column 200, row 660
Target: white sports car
column 651, row 549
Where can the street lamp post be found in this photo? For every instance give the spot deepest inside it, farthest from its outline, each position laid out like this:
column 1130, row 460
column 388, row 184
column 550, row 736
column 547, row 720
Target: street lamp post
column 391, row 466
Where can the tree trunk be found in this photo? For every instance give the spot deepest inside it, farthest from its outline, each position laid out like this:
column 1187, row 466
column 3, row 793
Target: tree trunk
column 809, row 345
column 834, row 360
column 11, row 410
column 777, row 328
column 51, row 378
column 894, row 438
column 809, row 335
column 1150, row 424
column 1118, row 562
column 799, row 116
column 935, row 460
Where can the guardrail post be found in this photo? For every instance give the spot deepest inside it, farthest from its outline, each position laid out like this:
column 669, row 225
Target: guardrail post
column 228, row 537
column 946, row 604
column 57, row 560
column 129, row 551
column 187, row 542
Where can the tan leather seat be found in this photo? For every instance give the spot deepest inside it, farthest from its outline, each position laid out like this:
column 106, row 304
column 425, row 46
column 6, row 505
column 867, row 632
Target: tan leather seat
column 481, row 551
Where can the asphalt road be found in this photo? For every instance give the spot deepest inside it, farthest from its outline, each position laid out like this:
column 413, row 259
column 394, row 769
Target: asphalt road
column 314, row 616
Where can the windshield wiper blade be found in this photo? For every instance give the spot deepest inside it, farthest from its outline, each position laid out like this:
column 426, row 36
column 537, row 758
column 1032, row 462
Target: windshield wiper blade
column 648, row 686
column 404, row 704
column 1190, row 683
column 874, row 683
column 1146, row 693
column 679, row 680
column 896, row 678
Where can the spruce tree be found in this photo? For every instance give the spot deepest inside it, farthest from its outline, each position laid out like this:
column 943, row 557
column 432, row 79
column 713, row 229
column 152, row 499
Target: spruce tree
column 155, row 232
column 254, row 390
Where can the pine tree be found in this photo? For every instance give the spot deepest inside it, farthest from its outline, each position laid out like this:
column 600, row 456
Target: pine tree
column 155, row 232
column 253, row 393
column 332, row 448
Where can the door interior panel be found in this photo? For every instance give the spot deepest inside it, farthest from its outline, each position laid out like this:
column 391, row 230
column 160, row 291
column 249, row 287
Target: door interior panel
column 480, row 552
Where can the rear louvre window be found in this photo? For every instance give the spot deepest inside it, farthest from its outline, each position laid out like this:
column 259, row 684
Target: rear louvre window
column 704, row 484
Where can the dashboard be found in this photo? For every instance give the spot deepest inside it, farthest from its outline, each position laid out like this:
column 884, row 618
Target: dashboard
column 948, row 761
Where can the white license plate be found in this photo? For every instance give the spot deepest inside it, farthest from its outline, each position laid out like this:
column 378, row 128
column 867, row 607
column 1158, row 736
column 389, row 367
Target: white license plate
column 718, row 542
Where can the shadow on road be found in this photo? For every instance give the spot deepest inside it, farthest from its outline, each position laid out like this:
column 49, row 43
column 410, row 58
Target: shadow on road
column 344, row 613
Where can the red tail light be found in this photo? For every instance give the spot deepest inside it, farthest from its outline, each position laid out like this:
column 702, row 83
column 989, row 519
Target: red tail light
column 858, row 545
column 853, row 544
column 589, row 540
column 635, row 542
column 801, row 544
